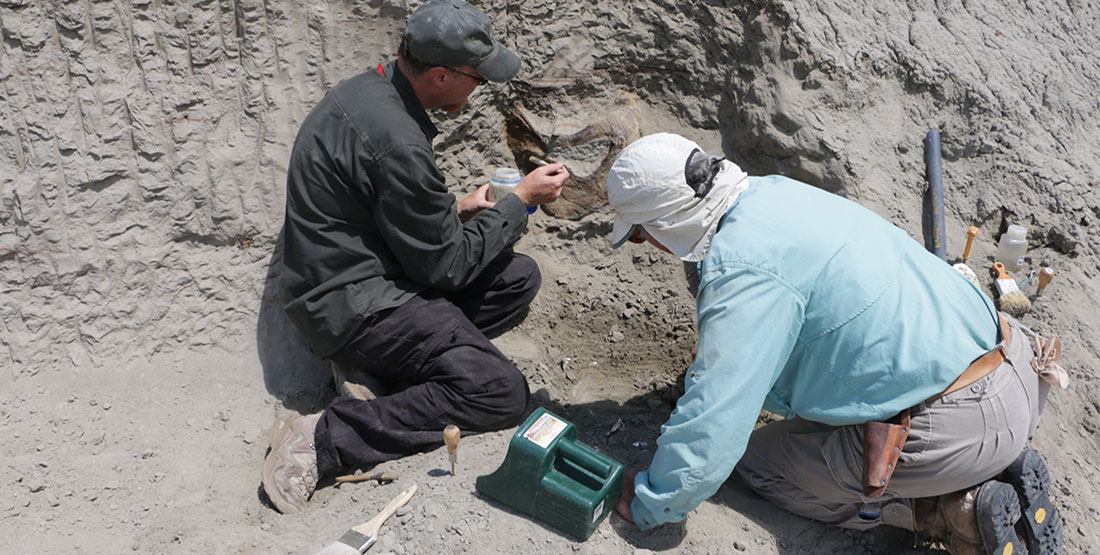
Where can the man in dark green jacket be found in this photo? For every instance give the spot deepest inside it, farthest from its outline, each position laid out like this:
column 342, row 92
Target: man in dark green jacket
column 387, row 273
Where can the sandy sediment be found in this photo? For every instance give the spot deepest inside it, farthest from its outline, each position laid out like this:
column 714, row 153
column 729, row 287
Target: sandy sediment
column 143, row 146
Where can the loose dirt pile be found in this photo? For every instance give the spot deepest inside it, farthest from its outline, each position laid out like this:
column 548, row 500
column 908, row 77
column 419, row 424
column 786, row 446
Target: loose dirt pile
column 143, row 145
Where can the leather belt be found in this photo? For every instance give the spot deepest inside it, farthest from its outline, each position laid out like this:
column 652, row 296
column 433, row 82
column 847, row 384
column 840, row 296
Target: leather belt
column 883, row 441
column 981, row 367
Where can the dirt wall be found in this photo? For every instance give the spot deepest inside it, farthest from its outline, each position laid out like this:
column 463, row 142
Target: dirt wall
column 143, row 149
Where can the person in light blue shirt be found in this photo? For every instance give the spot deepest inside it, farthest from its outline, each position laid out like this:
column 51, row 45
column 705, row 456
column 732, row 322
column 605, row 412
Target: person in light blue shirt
column 817, row 309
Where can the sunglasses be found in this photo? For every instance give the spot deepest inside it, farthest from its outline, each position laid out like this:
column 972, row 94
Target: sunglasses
column 700, row 170
column 480, row 80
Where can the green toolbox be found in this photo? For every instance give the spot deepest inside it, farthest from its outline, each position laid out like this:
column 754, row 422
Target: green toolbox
column 551, row 476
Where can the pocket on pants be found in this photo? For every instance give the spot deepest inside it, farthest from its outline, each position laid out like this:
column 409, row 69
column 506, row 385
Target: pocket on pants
column 385, row 355
column 843, row 453
column 1006, row 432
column 398, row 349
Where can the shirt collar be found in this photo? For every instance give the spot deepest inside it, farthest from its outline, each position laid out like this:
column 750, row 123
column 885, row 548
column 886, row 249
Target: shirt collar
column 412, row 104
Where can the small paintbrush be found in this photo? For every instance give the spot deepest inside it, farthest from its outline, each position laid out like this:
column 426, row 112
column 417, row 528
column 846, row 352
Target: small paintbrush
column 540, row 162
column 1013, row 301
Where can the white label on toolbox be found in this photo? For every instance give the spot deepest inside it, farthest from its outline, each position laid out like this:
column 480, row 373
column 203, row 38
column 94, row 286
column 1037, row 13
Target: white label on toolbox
column 599, row 511
column 544, row 430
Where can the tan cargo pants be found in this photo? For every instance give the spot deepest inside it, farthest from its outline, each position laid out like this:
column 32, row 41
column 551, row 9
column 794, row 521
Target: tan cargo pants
column 957, row 441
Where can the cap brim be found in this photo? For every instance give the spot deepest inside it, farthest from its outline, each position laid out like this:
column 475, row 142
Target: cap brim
column 501, row 66
column 620, row 232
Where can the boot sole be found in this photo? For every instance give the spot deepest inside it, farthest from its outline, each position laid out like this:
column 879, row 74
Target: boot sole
column 998, row 509
column 1042, row 523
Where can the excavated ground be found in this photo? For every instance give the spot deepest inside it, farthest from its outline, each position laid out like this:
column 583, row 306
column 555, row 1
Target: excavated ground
column 143, row 148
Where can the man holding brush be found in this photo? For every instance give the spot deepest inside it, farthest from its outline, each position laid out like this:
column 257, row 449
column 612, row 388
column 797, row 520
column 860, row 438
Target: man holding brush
column 388, row 274
column 908, row 399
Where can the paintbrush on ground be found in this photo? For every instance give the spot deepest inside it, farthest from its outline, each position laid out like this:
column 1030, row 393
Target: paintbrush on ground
column 1013, row 301
column 361, row 538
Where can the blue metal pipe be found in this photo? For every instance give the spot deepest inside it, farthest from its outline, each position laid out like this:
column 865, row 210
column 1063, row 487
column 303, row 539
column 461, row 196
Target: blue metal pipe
column 934, row 171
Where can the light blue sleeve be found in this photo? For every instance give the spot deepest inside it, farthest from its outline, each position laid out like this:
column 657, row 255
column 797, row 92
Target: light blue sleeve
column 748, row 324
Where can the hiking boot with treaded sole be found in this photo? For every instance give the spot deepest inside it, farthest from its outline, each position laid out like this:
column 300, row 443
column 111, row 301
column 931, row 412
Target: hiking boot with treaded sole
column 976, row 521
column 1042, row 523
column 998, row 509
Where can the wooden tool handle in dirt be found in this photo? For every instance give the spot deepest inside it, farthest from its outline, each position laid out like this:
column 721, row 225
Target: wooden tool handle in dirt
column 451, row 436
column 1045, row 276
column 970, row 234
column 379, row 477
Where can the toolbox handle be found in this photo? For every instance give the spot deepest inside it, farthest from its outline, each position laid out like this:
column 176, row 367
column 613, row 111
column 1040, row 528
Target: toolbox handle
column 585, row 458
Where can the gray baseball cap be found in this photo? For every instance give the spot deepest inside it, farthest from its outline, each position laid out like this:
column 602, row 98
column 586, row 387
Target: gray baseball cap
column 453, row 33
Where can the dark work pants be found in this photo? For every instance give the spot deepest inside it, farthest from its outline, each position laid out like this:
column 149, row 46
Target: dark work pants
column 435, row 343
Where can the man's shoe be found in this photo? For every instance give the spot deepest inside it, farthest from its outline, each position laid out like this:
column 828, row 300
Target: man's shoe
column 979, row 520
column 356, row 384
column 1042, row 523
column 290, row 470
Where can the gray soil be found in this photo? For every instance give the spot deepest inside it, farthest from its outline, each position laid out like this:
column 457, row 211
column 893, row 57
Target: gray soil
column 143, row 148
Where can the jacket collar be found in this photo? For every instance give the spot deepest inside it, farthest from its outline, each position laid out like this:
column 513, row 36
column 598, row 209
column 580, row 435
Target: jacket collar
column 412, row 104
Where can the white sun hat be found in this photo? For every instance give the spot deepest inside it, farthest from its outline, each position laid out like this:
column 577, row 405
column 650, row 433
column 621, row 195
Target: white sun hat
column 648, row 185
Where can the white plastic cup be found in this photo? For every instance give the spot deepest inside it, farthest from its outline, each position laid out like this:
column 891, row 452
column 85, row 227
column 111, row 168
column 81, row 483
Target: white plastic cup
column 1011, row 248
column 502, row 182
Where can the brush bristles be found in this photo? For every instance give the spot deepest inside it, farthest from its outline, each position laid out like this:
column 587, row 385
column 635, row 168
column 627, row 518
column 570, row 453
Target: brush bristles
column 1015, row 303
column 967, row 273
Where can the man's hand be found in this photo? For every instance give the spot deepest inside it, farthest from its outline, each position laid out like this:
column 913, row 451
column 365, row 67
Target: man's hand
column 542, row 185
column 622, row 506
column 476, row 202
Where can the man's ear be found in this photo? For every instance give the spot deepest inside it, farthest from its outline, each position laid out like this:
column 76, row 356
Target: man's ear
column 438, row 76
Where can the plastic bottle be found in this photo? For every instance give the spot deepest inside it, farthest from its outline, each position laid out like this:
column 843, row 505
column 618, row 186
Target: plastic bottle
column 1011, row 248
column 502, row 182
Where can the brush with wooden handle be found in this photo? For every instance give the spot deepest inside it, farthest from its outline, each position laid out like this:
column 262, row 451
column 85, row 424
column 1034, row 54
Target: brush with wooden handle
column 361, row 538
column 540, row 162
column 1013, row 301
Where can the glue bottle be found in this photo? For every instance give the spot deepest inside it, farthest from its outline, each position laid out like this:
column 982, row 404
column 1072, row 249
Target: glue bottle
column 1011, row 248
column 502, row 183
